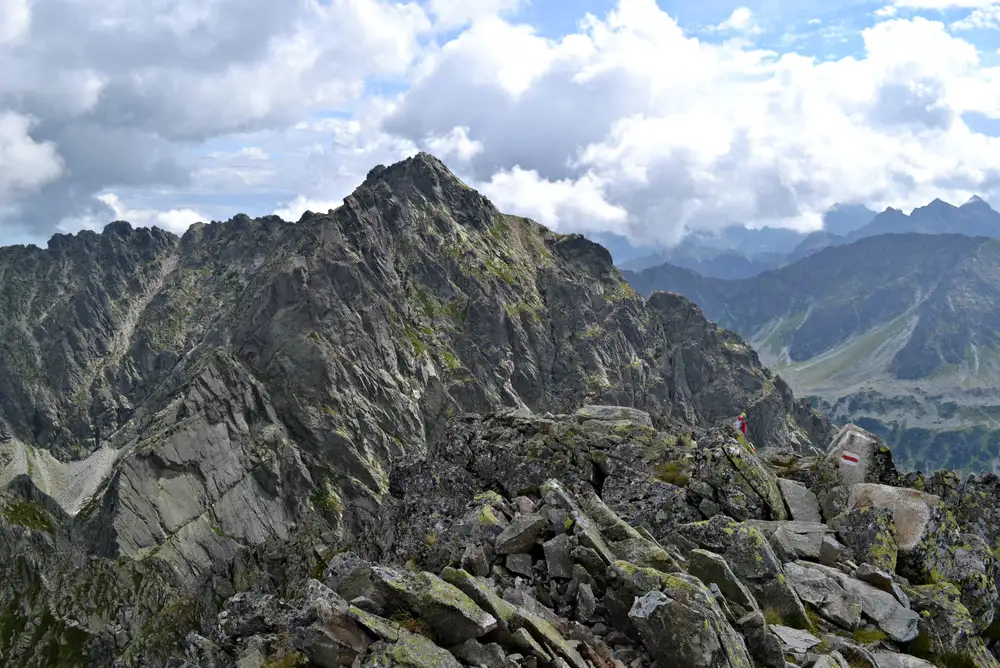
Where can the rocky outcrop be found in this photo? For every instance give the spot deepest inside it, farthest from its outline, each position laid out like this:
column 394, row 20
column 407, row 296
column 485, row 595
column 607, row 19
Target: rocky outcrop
column 415, row 431
column 479, row 559
column 187, row 398
column 555, row 574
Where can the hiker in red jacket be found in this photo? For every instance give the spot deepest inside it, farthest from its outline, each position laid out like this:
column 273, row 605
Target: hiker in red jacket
column 741, row 424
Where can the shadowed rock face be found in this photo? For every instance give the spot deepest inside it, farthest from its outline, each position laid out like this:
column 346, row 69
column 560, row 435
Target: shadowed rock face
column 186, row 396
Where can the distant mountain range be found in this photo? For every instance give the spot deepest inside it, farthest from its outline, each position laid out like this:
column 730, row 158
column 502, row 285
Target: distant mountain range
column 740, row 252
column 899, row 332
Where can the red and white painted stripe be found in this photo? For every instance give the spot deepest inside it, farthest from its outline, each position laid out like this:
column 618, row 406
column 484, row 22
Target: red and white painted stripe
column 850, row 457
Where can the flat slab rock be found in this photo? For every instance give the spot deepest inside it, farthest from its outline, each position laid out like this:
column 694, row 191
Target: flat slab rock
column 615, row 414
column 894, row 660
column 795, row 640
column 802, row 503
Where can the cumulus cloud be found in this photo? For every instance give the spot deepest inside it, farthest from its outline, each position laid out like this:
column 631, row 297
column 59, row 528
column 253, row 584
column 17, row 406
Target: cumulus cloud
column 15, row 19
column 123, row 90
column 741, row 20
column 981, row 18
column 554, row 203
column 25, row 164
column 661, row 133
column 191, row 109
column 293, row 210
column 173, row 220
column 450, row 14
column 456, row 144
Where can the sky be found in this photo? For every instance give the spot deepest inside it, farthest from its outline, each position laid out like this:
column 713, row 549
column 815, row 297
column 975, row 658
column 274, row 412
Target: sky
column 637, row 117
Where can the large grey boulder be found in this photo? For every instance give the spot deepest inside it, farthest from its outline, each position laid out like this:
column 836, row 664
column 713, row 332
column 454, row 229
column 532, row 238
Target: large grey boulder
column 825, row 595
column 870, row 533
column 858, row 456
column 754, row 562
column 683, row 626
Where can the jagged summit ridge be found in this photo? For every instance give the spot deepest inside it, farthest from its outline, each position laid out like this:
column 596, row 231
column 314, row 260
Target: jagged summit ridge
column 211, row 414
column 186, row 399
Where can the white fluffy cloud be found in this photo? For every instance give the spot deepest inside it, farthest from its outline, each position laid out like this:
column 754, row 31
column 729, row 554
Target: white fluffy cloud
column 451, row 14
column 632, row 123
column 293, row 210
column 126, row 91
column 173, row 220
column 15, row 19
column 25, row 164
column 981, row 18
column 741, row 20
column 634, row 115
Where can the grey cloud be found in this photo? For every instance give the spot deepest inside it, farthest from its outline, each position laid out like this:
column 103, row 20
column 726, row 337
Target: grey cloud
column 919, row 103
column 125, row 89
column 540, row 130
column 546, row 127
column 658, row 211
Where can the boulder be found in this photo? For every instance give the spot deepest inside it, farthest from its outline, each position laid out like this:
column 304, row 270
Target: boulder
column 946, row 628
column 870, row 533
column 754, row 563
column 521, row 534
column 625, row 583
column 726, row 478
column 325, row 632
column 474, row 653
column 911, row 509
column 896, row 660
column 682, row 626
column 558, row 556
column 825, row 595
column 452, row 615
column 794, row 640
column 622, row 414
column 802, row 503
column 858, row 456
column 944, row 554
column 399, row 647
column 763, row 645
column 712, row 568
column 882, row 580
column 882, row 608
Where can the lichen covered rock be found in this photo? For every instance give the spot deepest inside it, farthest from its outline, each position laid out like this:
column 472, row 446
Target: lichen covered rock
column 682, row 626
column 754, row 562
column 870, row 533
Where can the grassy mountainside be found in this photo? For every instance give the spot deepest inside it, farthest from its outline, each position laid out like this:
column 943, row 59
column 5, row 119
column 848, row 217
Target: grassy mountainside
column 897, row 331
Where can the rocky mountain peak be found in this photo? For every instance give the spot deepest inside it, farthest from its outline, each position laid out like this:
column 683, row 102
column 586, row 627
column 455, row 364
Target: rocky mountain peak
column 974, row 202
column 189, row 404
column 424, row 182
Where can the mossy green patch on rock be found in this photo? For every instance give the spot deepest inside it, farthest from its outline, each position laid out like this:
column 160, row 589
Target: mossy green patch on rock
column 27, row 514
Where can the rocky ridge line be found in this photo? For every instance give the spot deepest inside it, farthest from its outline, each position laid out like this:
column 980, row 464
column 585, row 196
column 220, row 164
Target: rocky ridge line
column 191, row 399
column 488, row 560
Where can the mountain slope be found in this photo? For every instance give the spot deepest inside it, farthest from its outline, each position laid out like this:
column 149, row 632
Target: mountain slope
column 184, row 400
column 899, row 329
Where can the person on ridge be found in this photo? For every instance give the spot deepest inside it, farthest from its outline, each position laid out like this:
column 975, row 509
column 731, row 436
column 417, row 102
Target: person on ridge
column 741, row 424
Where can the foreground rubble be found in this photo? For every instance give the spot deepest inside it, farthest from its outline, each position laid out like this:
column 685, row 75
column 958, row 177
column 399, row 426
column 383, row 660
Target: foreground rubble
column 594, row 541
